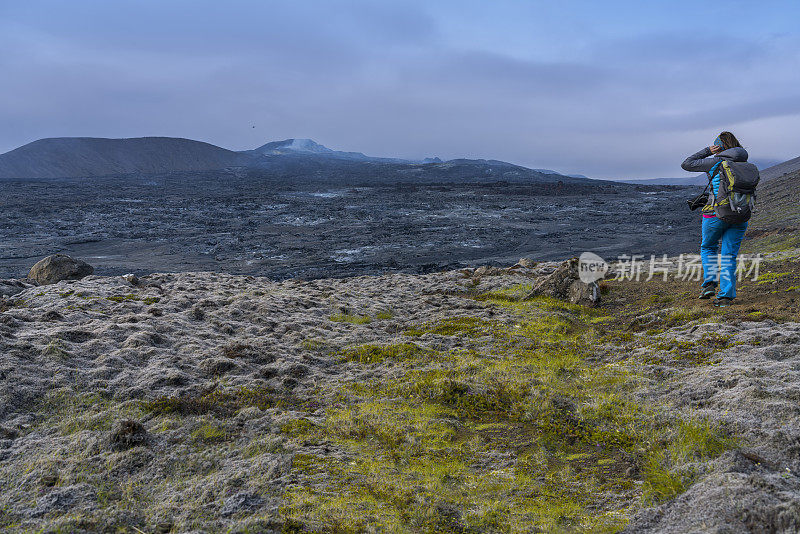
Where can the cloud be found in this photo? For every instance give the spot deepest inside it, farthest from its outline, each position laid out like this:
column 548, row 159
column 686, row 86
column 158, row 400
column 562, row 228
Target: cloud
column 386, row 79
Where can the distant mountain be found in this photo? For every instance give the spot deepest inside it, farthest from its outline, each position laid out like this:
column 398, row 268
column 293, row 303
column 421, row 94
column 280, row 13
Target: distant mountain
column 305, row 146
column 287, row 160
column 766, row 166
column 780, row 169
column 697, row 179
column 550, row 171
column 335, row 171
column 65, row 157
column 310, row 147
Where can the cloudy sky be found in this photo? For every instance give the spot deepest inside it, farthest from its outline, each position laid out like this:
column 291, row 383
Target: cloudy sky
column 607, row 89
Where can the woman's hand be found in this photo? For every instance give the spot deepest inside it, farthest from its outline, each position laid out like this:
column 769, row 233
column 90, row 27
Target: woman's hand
column 715, row 149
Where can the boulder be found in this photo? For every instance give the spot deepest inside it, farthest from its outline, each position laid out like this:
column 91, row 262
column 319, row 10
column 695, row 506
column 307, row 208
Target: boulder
column 564, row 283
column 59, row 267
column 132, row 279
column 488, row 270
column 524, row 263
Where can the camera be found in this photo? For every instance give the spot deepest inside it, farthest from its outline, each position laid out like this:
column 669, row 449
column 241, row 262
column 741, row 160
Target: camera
column 698, row 202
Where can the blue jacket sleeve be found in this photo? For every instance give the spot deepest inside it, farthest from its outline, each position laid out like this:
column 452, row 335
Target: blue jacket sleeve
column 700, row 162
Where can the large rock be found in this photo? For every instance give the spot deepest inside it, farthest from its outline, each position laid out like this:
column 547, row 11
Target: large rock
column 59, row 267
column 565, row 283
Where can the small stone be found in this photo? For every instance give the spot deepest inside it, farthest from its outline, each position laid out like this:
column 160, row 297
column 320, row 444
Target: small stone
column 289, row 383
column 128, row 434
column 51, row 315
column 297, row 370
column 49, row 480
column 242, row 501
column 269, row 372
column 131, row 279
column 218, row 366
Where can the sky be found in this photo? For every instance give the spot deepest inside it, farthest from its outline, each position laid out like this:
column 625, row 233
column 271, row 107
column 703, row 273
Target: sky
column 616, row 90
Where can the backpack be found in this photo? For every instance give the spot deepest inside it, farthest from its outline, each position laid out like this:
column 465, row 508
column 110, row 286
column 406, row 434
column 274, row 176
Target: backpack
column 736, row 196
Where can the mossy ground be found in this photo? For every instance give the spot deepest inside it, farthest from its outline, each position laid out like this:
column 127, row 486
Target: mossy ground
column 522, row 429
column 774, row 296
column 522, row 417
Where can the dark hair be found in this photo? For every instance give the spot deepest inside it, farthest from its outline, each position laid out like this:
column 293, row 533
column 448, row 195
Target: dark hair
column 729, row 140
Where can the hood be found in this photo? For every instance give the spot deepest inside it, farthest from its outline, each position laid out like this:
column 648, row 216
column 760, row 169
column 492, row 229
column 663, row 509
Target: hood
column 734, row 154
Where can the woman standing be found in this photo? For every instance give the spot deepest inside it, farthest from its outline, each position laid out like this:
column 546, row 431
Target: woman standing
column 708, row 160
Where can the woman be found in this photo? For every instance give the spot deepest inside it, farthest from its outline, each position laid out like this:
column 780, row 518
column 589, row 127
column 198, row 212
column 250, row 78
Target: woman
column 709, row 160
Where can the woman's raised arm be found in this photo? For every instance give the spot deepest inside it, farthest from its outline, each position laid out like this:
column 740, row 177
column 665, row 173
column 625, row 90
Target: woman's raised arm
column 700, row 161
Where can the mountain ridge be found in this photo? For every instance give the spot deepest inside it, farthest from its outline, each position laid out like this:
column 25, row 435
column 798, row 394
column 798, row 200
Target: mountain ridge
column 768, row 168
column 786, row 167
column 78, row 157
column 68, row 157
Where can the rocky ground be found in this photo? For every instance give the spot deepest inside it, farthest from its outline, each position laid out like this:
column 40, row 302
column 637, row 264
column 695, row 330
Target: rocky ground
column 445, row 402
column 310, row 229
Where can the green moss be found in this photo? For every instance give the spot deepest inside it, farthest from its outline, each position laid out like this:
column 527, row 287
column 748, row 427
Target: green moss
column 770, row 277
column 661, row 484
column 699, row 351
column 260, row 446
column 72, row 412
column 298, row 427
column 464, row 326
column 660, row 299
column 378, row 353
column 349, row 318
column 318, row 345
column 775, row 242
column 56, row 349
column 514, row 430
column 384, row 314
column 209, row 432
column 680, row 317
column 694, row 440
column 512, row 294
column 223, row 402
column 122, row 298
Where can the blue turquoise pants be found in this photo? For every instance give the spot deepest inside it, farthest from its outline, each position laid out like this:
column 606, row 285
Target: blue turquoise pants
column 714, row 231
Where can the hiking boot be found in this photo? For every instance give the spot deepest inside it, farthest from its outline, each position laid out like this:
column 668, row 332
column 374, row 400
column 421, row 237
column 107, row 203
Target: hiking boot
column 722, row 302
column 707, row 290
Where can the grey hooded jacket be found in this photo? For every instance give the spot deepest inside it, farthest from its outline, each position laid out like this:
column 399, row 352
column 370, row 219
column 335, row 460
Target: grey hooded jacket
column 704, row 161
column 701, row 162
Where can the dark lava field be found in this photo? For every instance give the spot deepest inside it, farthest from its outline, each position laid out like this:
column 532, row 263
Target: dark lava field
column 246, row 224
